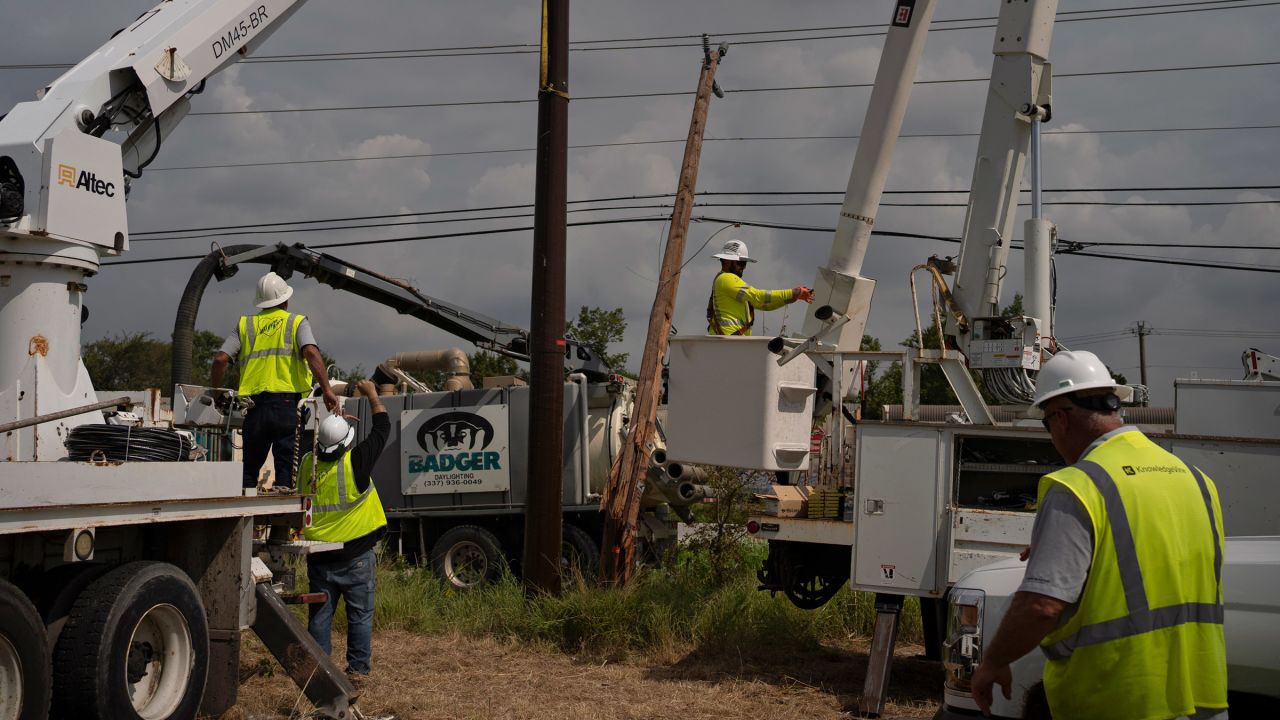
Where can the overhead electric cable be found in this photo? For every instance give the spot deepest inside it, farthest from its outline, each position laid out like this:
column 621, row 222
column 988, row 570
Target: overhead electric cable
column 145, row 234
column 672, row 141
column 878, row 29
column 663, row 218
column 678, row 93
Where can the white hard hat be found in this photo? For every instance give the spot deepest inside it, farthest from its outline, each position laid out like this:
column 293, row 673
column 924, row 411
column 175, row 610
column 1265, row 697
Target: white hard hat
column 272, row 291
column 734, row 250
column 335, row 435
column 1071, row 371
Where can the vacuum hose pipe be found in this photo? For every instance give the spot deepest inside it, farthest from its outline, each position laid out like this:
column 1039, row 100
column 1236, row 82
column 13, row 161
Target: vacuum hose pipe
column 184, row 324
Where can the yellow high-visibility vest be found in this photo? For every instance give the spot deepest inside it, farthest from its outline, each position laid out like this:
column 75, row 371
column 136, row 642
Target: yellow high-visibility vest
column 339, row 512
column 731, row 308
column 1146, row 640
column 270, row 360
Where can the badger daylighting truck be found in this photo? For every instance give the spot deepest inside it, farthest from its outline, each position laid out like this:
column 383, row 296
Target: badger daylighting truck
column 452, row 477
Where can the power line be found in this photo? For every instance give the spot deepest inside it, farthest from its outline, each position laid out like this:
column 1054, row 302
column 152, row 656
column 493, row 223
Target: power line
column 878, row 29
column 1214, row 332
column 1187, row 263
column 681, row 93
column 521, row 47
column 151, row 234
column 632, row 143
column 663, row 218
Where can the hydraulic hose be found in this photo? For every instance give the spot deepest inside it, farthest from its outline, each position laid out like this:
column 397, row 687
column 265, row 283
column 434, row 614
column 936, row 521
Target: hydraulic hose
column 184, row 324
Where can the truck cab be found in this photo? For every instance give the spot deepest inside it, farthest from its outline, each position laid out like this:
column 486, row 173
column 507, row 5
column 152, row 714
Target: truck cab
column 1250, row 584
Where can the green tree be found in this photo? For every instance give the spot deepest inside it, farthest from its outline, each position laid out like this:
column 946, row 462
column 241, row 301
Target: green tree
column 128, row 361
column 597, row 329
column 1013, row 309
column 886, row 388
column 487, row 364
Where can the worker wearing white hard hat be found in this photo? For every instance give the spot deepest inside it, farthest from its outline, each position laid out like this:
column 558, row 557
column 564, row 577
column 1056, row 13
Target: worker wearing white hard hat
column 278, row 358
column 346, row 509
column 1122, row 590
column 731, row 309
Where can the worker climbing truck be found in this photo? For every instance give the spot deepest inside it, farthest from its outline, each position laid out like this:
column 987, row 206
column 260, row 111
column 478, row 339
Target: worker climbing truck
column 454, row 474
column 127, row 569
column 908, row 505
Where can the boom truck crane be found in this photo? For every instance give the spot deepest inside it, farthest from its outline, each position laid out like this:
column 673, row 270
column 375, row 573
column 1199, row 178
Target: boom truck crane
column 128, row 570
column 461, row 508
column 907, row 507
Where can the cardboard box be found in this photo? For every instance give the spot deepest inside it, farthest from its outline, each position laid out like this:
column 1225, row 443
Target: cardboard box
column 786, row 501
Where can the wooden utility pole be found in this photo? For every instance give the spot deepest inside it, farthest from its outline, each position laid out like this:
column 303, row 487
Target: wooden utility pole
column 1143, row 331
column 546, row 337
column 621, row 500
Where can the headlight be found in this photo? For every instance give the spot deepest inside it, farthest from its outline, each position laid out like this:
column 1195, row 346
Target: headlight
column 962, row 650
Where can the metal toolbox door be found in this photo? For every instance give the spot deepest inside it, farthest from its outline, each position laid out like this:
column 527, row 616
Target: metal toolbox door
column 899, row 529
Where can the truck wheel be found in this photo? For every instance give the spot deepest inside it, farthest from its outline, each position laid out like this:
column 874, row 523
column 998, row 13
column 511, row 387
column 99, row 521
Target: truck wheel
column 809, row 589
column 135, row 646
column 25, row 686
column 467, row 556
column 56, row 592
column 579, row 553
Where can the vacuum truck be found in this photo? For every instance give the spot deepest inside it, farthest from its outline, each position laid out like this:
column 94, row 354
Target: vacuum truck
column 453, row 476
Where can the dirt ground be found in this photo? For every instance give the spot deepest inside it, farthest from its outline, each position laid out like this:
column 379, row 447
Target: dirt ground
column 427, row 677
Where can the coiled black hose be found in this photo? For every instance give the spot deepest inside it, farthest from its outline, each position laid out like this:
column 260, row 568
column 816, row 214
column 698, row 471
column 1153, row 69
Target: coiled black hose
column 121, row 443
column 184, row 323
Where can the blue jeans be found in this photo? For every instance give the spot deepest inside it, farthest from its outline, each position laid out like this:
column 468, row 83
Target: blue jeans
column 352, row 580
column 270, row 426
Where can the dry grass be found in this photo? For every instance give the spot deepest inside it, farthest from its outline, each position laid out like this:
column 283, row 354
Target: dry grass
column 420, row 676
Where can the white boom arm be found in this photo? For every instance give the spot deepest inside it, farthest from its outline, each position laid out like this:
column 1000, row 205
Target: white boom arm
column 1019, row 84
column 62, row 190
column 839, row 284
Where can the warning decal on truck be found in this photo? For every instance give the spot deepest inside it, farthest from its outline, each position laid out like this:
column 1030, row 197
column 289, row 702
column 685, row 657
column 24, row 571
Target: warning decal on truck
column 448, row 450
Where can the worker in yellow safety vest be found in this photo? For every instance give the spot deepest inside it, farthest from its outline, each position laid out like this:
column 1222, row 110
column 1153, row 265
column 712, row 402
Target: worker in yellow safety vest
column 277, row 356
column 1123, row 588
column 731, row 310
column 345, row 509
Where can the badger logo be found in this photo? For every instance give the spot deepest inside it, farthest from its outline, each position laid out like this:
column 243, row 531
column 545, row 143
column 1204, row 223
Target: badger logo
column 455, row 432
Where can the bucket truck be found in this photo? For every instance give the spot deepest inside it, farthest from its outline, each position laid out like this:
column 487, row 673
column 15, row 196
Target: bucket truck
column 906, row 507
column 127, row 571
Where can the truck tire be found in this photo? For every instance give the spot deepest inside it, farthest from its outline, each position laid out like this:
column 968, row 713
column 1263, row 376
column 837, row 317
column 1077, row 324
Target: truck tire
column 55, row 593
column 135, row 646
column 467, row 556
column 25, row 686
column 579, row 553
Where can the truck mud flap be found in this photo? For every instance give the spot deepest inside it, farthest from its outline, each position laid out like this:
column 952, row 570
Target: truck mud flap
column 320, row 680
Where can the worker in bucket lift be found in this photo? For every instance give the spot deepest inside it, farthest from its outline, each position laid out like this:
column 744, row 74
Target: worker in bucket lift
column 1123, row 589
column 345, row 509
column 731, row 310
column 277, row 355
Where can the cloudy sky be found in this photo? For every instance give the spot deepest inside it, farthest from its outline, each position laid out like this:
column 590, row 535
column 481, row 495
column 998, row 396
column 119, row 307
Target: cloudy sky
column 614, row 265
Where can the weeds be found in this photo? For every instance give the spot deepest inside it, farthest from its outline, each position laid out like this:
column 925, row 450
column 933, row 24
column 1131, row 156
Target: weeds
column 692, row 603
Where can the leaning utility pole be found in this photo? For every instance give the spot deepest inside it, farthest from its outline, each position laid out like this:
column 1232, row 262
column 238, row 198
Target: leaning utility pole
column 621, row 499
column 546, row 336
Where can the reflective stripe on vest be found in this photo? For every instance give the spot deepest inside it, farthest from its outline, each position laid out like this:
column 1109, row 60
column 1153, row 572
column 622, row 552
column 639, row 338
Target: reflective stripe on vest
column 272, row 363
column 343, row 502
column 718, row 323
column 252, row 332
column 1141, row 617
column 353, row 515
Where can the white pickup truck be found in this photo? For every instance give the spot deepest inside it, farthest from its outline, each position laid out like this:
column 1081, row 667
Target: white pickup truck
column 1251, row 585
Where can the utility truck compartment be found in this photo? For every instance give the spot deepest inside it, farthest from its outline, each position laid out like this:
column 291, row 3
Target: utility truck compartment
column 933, row 501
